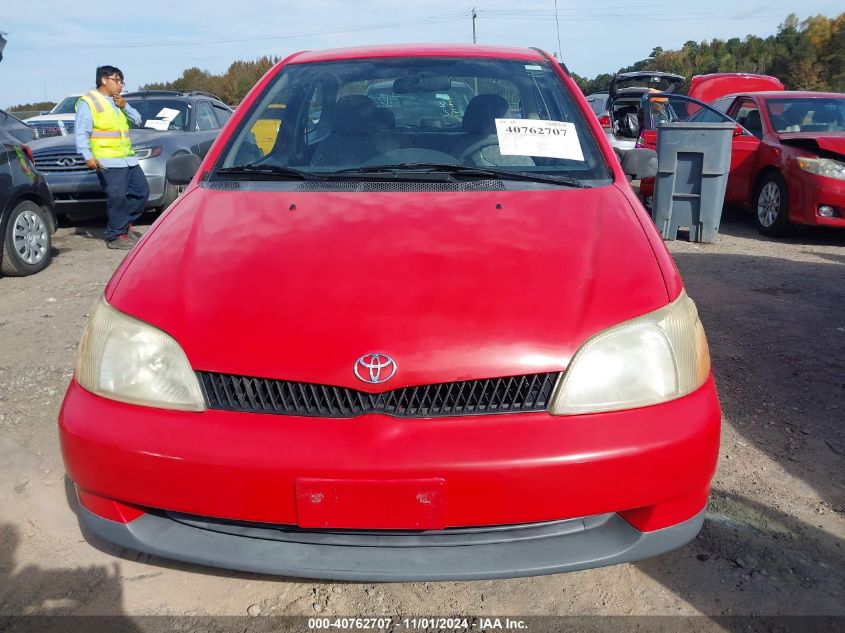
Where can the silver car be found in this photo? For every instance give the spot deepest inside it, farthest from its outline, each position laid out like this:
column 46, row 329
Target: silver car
column 174, row 123
column 619, row 109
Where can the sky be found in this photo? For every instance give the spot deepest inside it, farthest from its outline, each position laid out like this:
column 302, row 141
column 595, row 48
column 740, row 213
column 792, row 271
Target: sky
column 53, row 49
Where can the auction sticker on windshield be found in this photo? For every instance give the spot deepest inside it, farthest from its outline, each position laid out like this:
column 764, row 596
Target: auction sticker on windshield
column 551, row 139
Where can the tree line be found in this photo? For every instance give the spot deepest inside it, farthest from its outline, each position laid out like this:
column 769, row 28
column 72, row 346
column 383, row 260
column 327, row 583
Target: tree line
column 804, row 55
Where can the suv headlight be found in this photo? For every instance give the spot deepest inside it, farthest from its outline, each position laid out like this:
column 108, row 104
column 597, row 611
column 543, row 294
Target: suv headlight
column 142, row 153
column 651, row 359
column 124, row 359
column 823, row 167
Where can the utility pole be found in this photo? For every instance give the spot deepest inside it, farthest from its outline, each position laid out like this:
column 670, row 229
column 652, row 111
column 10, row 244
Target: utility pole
column 557, row 25
column 474, row 16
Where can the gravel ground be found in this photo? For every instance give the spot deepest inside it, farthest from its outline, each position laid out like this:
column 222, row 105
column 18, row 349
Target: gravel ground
column 772, row 545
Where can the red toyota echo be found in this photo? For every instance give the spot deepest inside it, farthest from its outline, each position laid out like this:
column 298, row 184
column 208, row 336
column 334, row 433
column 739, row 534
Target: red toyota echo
column 425, row 331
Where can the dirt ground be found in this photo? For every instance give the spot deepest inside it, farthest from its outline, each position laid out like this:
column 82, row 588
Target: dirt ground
column 772, row 544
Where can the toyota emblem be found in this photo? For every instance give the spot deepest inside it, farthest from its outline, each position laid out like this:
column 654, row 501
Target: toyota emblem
column 375, row 368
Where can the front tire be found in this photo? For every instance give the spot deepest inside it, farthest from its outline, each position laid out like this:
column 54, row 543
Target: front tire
column 171, row 192
column 27, row 243
column 771, row 206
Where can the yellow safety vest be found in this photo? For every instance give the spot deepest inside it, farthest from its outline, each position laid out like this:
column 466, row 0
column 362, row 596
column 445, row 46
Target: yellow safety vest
column 110, row 136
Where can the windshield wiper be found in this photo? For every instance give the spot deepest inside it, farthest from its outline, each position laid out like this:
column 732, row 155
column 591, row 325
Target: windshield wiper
column 273, row 172
column 459, row 172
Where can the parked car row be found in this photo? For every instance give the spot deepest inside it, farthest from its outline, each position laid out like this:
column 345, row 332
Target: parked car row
column 787, row 154
column 174, row 122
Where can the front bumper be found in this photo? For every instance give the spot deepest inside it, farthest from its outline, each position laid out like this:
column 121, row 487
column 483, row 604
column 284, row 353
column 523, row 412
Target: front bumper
column 460, row 555
column 78, row 194
column 808, row 192
column 650, row 468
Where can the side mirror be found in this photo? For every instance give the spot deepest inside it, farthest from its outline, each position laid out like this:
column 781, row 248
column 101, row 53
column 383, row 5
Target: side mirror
column 738, row 130
column 640, row 163
column 182, row 168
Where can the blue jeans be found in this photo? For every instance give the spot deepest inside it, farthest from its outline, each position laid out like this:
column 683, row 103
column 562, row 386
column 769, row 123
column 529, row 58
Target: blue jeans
column 126, row 192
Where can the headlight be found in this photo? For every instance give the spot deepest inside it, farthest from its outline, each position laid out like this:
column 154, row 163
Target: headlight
column 125, row 359
column 650, row 359
column 823, row 167
column 142, row 153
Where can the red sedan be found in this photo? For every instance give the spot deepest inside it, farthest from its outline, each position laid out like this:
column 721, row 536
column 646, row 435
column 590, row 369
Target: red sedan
column 787, row 157
column 413, row 338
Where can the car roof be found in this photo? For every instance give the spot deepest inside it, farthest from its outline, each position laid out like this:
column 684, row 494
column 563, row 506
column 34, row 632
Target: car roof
column 164, row 94
column 780, row 94
column 418, row 50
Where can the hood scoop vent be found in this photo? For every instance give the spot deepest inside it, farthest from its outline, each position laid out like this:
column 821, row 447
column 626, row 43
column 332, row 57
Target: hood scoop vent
column 225, row 185
column 355, row 186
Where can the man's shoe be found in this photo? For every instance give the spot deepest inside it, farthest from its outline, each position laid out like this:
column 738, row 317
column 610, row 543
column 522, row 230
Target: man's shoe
column 131, row 232
column 121, row 242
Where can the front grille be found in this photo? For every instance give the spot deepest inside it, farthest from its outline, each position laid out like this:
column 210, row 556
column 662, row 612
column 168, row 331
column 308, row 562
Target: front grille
column 469, row 397
column 59, row 161
column 43, row 129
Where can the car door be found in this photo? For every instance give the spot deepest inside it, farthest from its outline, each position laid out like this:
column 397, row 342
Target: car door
column 743, row 144
column 205, row 127
column 746, row 112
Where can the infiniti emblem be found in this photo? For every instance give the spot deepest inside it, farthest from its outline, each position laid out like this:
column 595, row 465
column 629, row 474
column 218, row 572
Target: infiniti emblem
column 66, row 162
column 375, row 368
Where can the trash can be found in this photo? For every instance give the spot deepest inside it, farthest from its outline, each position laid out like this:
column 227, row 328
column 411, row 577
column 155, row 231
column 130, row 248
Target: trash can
column 693, row 161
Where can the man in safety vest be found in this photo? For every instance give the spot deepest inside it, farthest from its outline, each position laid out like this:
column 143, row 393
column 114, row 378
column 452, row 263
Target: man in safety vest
column 102, row 137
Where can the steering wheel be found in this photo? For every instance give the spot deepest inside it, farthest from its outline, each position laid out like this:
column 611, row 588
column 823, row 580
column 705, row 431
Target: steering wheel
column 478, row 146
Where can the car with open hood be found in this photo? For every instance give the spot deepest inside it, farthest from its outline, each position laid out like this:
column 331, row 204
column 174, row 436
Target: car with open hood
column 787, row 154
column 380, row 348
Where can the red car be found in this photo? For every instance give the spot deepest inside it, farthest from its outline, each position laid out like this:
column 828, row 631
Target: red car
column 454, row 347
column 787, row 158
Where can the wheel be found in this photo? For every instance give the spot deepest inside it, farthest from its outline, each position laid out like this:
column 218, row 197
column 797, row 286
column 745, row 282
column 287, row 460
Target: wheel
column 26, row 243
column 171, row 192
column 771, row 204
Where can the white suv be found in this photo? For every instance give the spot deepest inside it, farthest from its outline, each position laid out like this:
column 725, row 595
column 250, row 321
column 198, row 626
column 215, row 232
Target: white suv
column 58, row 121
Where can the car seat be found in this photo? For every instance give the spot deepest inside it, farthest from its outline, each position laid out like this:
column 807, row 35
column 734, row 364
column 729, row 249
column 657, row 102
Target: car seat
column 360, row 131
column 479, row 125
column 753, row 123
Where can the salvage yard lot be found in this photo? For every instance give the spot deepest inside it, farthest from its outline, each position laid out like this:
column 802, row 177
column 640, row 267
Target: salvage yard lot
column 774, row 541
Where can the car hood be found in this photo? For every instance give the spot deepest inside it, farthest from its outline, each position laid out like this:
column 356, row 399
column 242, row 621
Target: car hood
column 297, row 286
column 50, row 117
column 139, row 138
column 832, row 142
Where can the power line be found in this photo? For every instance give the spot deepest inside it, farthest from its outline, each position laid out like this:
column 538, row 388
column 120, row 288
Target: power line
column 434, row 19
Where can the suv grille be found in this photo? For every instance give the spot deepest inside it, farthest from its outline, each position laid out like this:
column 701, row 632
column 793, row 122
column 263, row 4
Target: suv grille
column 44, row 129
column 59, row 160
column 469, row 397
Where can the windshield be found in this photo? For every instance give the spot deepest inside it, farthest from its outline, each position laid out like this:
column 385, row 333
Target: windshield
column 161, row 114
column 807, row 115
column 66, row 105
column 327, row 117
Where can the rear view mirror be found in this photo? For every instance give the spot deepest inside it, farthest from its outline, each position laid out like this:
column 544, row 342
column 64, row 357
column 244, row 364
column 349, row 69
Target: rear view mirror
column 421, row 83
column 182, row 168
column 640, row 163
column 738, row 130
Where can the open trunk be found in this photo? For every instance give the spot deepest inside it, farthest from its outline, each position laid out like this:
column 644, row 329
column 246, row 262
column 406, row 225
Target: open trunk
column 626, row 89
